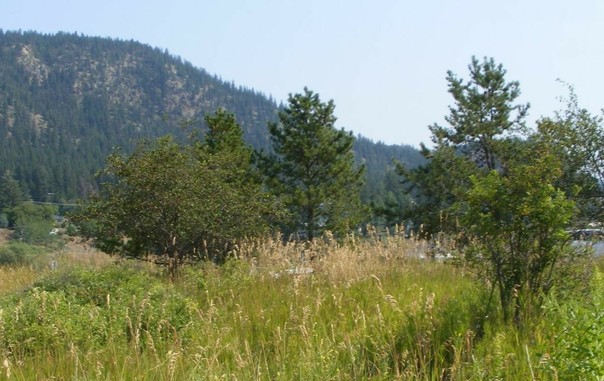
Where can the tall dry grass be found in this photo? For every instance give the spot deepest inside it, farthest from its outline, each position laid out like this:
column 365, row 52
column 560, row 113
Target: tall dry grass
column 357, row 309
column 14, row 279
column 349, row 260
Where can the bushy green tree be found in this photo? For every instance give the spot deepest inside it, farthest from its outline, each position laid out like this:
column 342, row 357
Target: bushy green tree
column 34, row 222
column 577, row 138
column 495, row 188
column 312, row 169
column 515, row 227
column 174, row 204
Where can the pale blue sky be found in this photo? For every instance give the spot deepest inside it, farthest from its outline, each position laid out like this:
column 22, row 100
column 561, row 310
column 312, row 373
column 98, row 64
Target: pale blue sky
column 382, row 62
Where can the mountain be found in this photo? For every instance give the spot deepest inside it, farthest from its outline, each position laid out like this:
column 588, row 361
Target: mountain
column 67, row 101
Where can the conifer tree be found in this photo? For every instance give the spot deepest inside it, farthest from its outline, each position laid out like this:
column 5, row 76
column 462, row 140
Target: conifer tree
column 484, row 114
column 479, row 138
column 498, row 191
column 312, row 169
column 11, row 195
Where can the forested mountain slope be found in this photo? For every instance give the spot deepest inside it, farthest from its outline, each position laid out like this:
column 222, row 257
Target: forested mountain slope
column 66, row 101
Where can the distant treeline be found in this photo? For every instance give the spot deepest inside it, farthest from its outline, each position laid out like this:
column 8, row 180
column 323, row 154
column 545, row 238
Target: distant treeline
column 67, row 101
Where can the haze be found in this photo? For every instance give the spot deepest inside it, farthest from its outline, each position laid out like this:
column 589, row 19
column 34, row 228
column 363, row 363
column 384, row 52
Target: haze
column 382, row 62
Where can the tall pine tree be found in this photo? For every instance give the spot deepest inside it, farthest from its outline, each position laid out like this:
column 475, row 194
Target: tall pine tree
column 482, row 135
column 312, row 169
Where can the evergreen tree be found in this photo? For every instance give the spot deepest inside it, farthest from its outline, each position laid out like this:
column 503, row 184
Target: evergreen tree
column 500, row 188
column 479, row 138
column 312, row 169
column 225, row 138
column 484, row 113
column 11, row 195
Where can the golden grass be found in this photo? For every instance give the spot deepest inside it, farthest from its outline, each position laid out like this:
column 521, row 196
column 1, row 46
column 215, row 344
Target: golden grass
column 350, row 261
column 370, row 309
column 81, row 253
column 16, row 279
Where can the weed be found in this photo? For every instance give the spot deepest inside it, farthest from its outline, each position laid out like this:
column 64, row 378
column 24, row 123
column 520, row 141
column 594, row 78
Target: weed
column 369, row 309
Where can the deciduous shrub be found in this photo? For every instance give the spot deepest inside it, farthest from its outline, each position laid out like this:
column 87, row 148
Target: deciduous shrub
column 20, row 254
column 95, row 308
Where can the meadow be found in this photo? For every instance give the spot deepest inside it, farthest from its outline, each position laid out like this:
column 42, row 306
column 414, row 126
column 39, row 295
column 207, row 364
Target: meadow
column 365, row 309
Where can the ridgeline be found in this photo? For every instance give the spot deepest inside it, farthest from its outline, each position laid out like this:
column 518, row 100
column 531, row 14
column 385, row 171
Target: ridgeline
column 67, row 101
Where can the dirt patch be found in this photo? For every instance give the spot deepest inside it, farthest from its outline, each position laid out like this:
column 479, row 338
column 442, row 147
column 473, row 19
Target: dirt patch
column 76, row 245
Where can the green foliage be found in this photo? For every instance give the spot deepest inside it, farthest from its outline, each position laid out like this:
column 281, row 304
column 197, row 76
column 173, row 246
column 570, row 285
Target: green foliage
column 515, row 225
column 34, row 222
column 435, row 186
column 497, row 191
column 483, row 113
column 389, row 210
column 94, row 309
column 20, row 254
column 11, row 195
column 312, row 169
column 479, row 139
column 225, row 136
column 11, row 192
column 174, row 204
column 576, row 350
column 577, row 138
column 61, row 115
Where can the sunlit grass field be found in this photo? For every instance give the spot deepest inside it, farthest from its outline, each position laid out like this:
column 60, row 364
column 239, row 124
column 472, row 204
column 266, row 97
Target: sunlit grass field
column 364, row 309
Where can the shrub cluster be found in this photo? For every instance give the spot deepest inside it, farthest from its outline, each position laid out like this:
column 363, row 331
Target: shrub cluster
column 90, row 309
column 21, row 254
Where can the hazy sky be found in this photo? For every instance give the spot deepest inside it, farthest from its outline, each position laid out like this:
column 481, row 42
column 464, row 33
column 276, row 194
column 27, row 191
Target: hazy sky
column 382, row 62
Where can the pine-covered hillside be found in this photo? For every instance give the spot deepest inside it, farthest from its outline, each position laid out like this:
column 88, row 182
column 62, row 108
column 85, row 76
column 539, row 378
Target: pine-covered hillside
column 67, row 101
